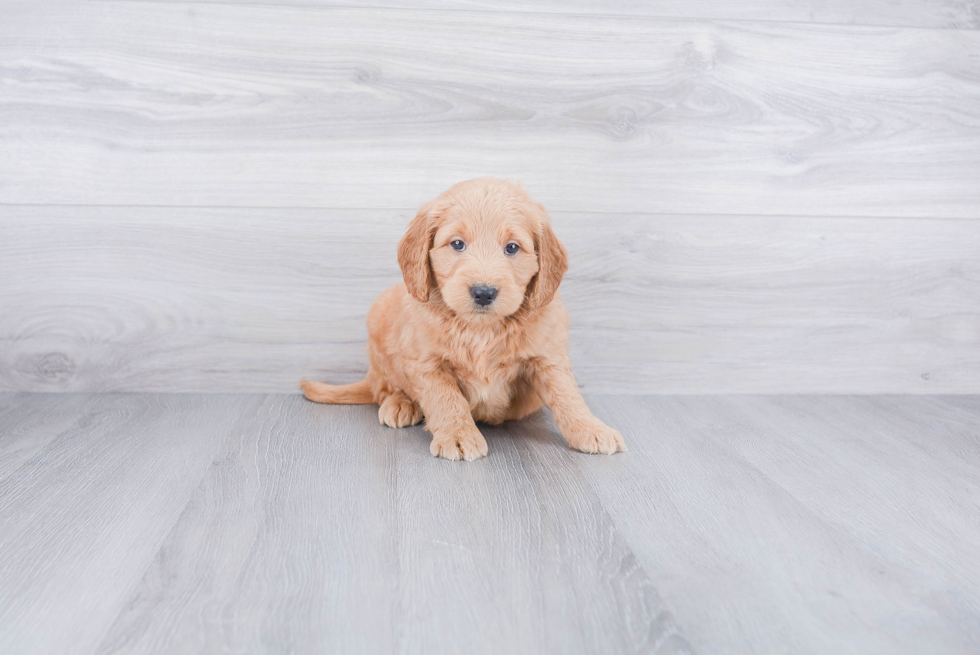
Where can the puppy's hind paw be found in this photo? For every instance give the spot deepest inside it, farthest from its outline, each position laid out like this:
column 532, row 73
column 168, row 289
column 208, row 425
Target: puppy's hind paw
column 399, row 411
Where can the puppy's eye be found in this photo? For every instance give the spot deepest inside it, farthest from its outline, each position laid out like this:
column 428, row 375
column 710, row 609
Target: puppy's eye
column 458, row 245
column 512, row 249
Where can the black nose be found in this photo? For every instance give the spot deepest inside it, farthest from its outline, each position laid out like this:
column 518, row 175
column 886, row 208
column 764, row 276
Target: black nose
column 482, row 294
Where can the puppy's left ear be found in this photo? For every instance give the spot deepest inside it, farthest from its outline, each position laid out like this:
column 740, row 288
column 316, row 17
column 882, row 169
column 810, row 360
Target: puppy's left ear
column 552, row 264
column 413, row 253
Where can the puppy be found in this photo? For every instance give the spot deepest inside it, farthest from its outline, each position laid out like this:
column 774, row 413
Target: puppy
column 477, row 332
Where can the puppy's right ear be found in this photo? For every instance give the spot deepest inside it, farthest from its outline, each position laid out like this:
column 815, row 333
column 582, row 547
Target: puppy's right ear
column 413, row 253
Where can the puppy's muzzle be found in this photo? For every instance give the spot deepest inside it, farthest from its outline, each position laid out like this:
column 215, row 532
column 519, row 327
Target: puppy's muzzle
column 483, row 295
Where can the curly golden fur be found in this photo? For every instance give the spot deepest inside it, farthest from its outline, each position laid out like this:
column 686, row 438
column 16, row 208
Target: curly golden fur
column 477, row 332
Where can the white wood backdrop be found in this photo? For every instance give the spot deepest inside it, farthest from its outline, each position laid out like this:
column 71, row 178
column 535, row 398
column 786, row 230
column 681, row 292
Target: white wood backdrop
column 758, row 196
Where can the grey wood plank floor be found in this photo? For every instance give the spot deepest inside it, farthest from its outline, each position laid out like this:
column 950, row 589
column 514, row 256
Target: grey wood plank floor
column 144, row 523
column 83, row 517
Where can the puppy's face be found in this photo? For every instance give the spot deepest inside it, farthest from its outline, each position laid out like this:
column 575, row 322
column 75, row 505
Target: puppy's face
column 487, row 247
column 483, row 262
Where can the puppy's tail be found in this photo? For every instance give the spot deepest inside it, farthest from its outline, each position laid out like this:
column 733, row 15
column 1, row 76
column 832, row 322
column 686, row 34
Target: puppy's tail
column 358, row 393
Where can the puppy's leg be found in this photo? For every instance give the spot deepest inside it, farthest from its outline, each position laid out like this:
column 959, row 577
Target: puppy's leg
column 448, row 417
column 398, row 411
column 556, row 385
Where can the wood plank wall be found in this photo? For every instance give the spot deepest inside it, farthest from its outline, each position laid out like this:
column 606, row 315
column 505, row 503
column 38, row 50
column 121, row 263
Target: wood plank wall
column 757, row 196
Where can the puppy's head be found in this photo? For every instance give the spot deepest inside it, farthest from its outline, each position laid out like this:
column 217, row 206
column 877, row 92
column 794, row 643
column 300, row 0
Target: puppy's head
column 487, row 247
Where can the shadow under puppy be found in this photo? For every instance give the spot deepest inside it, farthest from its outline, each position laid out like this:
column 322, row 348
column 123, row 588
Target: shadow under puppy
column 477, row 332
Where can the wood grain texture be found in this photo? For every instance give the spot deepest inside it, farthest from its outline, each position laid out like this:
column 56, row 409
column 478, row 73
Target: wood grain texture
column 185, row 523
column 30, row 424
column 82, row 519
column 108, row 299
column 805, row 525
column 538, row 564
column 290, row 533
column 939, row 496
column 9, row 400
column 953, row 14
column 257, row 105
column 969, row 403
column 961, row 14
column 318, row 530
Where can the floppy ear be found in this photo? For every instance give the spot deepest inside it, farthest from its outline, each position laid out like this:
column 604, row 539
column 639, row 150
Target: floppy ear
column 552, row 264
column 413, row 254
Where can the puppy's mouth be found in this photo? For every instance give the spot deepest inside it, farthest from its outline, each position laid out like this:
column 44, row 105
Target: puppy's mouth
column 484, row 313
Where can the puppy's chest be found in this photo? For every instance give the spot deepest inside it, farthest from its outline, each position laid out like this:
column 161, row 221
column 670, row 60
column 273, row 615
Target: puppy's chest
column 487, row 379
column 488, row 383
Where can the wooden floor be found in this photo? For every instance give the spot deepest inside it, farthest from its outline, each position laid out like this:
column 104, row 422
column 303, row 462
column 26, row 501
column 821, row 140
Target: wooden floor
column 257, row 523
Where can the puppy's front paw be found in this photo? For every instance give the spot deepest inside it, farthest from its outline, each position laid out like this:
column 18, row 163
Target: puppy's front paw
column 468, row 445
column 399, row 411
column 595, row 437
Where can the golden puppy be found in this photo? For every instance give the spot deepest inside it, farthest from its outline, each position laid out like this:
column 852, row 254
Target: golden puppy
column 477, row 331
